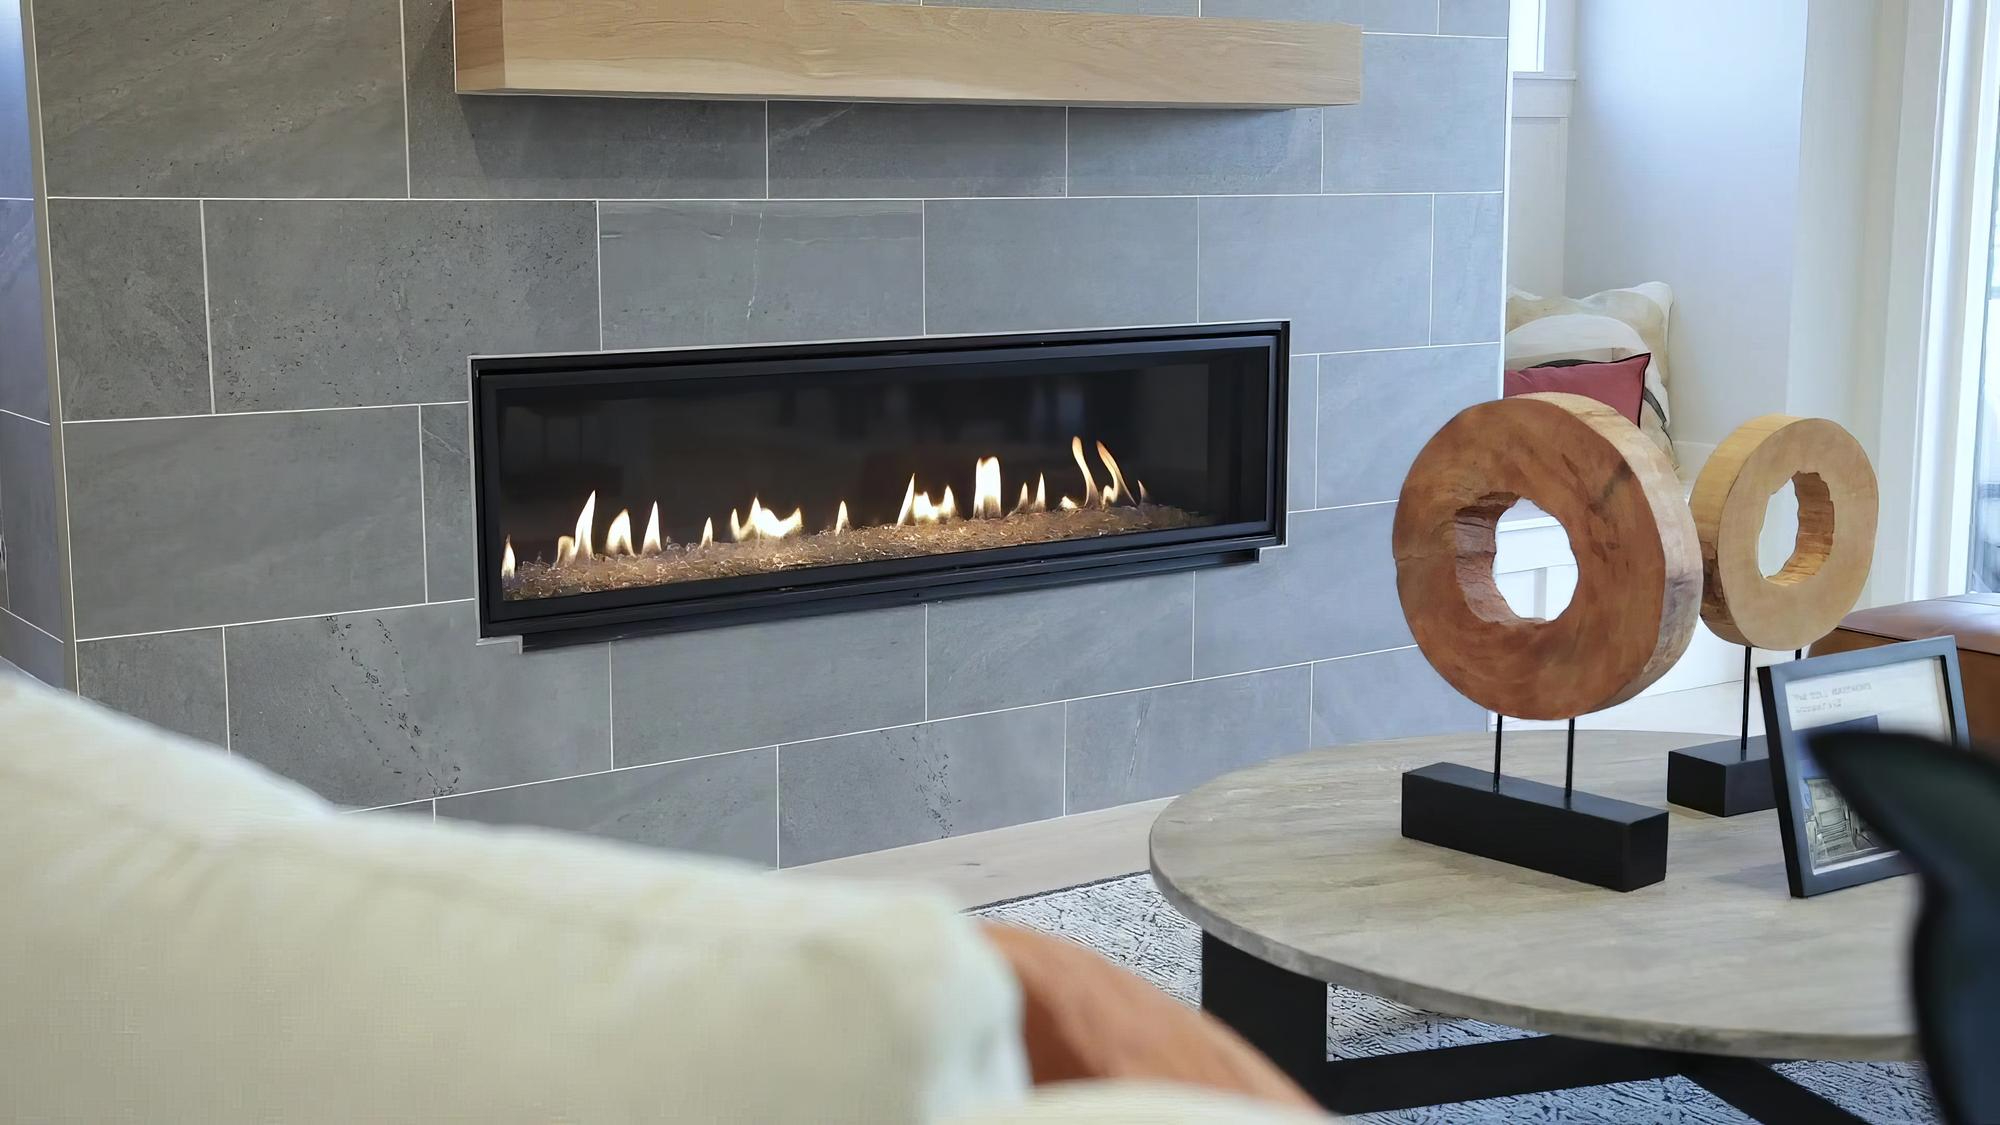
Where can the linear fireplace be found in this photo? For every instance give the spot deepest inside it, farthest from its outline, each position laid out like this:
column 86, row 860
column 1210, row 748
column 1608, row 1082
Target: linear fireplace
column 622, row 493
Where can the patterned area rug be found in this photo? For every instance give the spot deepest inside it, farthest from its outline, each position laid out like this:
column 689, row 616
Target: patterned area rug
column 1127, row 921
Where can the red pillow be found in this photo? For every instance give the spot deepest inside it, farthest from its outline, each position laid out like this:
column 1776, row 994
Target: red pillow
column 1620, row 385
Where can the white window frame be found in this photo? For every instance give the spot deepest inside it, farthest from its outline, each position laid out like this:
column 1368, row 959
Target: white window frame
column 1936, row 295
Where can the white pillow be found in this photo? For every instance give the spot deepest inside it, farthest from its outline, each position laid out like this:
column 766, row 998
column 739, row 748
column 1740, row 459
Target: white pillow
column 185, row 938
column 1612, row 325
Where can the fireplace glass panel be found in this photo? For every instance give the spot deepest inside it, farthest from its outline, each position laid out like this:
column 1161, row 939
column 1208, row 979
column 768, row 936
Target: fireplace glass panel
column 674, row 477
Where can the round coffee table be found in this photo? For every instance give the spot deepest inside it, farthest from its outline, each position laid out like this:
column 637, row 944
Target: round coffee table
column 1297, row 873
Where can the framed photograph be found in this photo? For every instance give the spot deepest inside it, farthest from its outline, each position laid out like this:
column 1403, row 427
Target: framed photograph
column 1907, row 688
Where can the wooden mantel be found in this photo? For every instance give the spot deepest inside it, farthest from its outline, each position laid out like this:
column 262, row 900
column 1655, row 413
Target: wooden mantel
column 845, row 50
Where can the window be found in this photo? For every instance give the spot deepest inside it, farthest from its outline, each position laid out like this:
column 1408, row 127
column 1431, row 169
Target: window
column 1985, row 568
column 1526, row 35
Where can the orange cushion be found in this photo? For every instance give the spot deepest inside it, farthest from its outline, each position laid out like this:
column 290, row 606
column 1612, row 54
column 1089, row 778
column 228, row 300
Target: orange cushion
column 1086, row 1018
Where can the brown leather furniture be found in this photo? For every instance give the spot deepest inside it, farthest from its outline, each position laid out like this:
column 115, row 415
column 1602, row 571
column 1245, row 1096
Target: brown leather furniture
column 1972, row 618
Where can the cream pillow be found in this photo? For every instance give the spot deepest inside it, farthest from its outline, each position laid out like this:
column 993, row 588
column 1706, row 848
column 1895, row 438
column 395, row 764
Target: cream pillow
column 184, row 937
column 1615, row 324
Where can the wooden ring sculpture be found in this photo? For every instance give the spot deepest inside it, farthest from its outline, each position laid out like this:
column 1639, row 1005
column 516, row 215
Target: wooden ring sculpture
column 1829, row 566
column 1638, row 589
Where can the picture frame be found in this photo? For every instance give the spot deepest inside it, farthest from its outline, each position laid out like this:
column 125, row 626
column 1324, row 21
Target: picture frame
column 1913, row 687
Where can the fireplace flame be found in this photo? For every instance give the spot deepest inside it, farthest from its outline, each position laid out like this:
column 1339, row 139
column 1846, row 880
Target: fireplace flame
column 1089, row 482
column 652, row 545
column 764, row 523
column 1116, row 490
column 618, row 540
column 584, row 524
column 918, row 510
column 986, row 489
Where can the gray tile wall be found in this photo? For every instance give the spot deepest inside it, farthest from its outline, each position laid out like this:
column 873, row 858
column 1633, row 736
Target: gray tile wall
column 267, row 282
column 34, row 619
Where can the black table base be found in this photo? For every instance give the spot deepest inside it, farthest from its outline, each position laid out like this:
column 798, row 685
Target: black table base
column 1283, row 1014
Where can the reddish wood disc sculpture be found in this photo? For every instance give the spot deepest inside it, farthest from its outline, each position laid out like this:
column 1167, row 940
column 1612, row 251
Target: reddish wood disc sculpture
column 1638, row 590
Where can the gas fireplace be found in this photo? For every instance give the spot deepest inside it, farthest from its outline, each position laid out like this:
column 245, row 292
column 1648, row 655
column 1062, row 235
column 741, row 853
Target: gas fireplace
column 631, row 492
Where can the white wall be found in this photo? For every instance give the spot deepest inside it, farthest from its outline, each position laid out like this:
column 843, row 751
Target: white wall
column 1684, row 168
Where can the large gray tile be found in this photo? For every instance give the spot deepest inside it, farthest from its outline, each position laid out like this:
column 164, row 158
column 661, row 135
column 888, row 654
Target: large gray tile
column 380, row 708
column 1302, row 422
column 1466, row 269
column 1386, row 695
column 726, row 805
column 130, row 307
column 575, row 148
column 221, row 97
column 1005, row 264
column 1043, row 645
column 1434, row 118
column 689, row 694
column 1193, row 151
column 448, row 540
column 1146, row 744
column 881, row 151
column 1330, row 592
column 28, row 523
column 364, row 304
column 885, row 789
column 1377, row 409
column 202, row 521
column 171, row 680
column 1473, row 17
column 1409, row 16
column 721, row 273
column 29, row 650
column 24, row 358
column 17, row 168
column 1348, row 271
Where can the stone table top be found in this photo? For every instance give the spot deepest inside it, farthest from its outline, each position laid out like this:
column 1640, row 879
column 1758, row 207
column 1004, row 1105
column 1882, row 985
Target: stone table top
column 1301, row 862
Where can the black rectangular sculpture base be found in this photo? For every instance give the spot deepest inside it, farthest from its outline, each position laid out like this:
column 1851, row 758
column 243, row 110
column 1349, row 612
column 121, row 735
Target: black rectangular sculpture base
column 1719, row 780
column 1585, row 837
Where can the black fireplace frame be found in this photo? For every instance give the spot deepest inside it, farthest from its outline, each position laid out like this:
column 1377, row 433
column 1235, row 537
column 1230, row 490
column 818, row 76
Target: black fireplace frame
column 610, row 615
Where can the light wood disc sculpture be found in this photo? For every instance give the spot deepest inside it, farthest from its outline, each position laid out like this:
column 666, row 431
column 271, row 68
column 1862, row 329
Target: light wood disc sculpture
column 1838, row 505
column 1638, row 589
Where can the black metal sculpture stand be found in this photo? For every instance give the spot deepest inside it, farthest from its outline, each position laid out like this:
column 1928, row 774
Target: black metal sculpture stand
column 1530, row 824
column 1724, row 778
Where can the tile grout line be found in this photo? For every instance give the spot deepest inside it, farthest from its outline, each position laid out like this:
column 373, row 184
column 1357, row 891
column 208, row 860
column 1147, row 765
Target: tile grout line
column 1319, row 382
column 1063, row 783
column 207, row 301
column 597, row 216
column 25, row 418
column 273, row 620
column 31, row 625
column 778, row 747
column 611, row 704
column 1430, row 317
column 767, row 149
column 228, row 727
column 256, row 413
column 924, row 271
column 760, row 199
column 927, row 661
column 423, row 509
column 777, row 807
column 403, row 52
